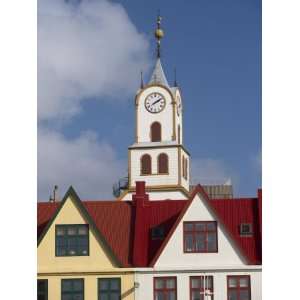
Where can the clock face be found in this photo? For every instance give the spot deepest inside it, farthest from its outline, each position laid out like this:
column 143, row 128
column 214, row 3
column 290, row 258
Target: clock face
column 155, row 103
column 179, row 106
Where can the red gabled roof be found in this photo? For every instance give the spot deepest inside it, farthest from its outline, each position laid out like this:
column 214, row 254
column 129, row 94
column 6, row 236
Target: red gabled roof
column 234, row 212
column 115, row 220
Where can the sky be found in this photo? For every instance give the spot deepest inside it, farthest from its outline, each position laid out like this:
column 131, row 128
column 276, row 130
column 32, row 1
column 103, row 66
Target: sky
column 90, row 54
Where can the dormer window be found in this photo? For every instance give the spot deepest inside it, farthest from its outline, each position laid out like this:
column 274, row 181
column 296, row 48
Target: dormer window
column 246, row 229
column 157, row 233
column 72, row 240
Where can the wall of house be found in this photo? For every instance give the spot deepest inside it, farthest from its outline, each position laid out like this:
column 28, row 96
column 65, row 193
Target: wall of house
column 90, row 284
column 145, row 280
column 99, row 261
column 227, row 255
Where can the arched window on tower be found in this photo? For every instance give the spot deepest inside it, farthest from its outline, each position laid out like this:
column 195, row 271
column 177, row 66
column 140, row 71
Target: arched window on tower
column 183, row 167
column 155, row 132
column 163, row 163
column 186, row 168
column 179, row 134
column 146, row 164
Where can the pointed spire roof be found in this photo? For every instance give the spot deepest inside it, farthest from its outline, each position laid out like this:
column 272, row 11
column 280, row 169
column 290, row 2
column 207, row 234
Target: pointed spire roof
column 158, row 75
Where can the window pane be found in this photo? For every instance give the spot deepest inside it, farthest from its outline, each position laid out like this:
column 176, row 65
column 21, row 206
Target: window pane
column 170, row 283
column 82, row 230
column 171, row 295
column 159, row 283
column 188, row 226
column 188, row 242
column 232, row 282
column 77, row 297
column 244, row 282
column 115, row 284
column 209, row 282
column 104, row 284
column 211, row 241
column 77, row 285
column 211, row 226
column 244, row 295
column 71, row 230
column 59, row 231
column 196, row 283
column 232, row 295
column 197, row 296
column 104, row 296
column 114, row 296
column 67, row 285
column 200, row 226
column 159, row 295
column 200, row 242
column 67, row 297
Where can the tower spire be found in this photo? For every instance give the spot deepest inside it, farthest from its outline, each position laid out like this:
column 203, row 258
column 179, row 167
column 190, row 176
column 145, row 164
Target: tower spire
column 159, row 34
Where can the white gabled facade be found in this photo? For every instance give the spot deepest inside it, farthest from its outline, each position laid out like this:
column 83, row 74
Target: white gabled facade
column 227, row 255
column 174, row 262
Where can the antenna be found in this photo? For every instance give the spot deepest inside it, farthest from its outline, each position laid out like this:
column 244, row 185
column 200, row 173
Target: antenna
column 159, row 34
column 175, row 77
column 142, row 81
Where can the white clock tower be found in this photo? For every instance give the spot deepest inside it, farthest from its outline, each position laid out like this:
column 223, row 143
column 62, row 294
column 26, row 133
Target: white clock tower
column 158, row 156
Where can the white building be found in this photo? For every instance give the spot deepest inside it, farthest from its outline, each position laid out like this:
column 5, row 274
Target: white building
column 173, row 241
column 213, row 249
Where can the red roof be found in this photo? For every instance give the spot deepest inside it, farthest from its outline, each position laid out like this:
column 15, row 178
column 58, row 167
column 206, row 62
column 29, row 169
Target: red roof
column 126, row 227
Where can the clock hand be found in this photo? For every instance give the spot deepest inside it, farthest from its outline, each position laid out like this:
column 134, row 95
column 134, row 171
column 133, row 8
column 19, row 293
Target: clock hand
column 156, row 101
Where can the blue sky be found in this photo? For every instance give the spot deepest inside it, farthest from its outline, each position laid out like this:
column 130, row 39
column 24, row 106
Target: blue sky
column 216, row 49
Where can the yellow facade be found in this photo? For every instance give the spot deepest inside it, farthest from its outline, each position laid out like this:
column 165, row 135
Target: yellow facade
column 100, row 263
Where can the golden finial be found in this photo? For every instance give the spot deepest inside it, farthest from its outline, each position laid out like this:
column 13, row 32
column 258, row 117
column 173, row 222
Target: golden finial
column 159, row 34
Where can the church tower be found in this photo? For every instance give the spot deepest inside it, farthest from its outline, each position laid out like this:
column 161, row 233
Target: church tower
column 158, row 156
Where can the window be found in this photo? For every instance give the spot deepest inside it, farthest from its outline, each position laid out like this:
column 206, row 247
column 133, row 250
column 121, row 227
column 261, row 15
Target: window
column 72, row 240
column 157, row 233
column 238, row 287
column 201, row 288
column 165, row 288
column 200, row 237
column 155, row 132
column 163, row 163
column 183, row 167
column 186, row 168
column 109, row 289
column 246, row 229
column 72, row 289
column 146, row 164
column 179, row 134
column 42, row 289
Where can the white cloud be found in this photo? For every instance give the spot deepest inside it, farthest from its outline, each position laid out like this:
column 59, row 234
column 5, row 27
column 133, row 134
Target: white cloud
column 211, row 171
column 87, row 50
column 90, row 166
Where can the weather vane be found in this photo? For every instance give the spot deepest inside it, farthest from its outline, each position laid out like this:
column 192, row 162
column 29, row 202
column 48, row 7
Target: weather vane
column 159, row 34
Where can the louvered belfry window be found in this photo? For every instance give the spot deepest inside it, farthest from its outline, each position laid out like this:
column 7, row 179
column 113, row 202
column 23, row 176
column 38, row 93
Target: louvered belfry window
column 155, row 132
column 163, row 163
column 146, row 164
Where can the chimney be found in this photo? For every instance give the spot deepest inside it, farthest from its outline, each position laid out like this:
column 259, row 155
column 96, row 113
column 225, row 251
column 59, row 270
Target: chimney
column 141, row 235
column 140, row 198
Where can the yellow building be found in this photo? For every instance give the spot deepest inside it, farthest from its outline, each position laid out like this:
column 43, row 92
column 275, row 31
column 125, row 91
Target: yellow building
column 82, row 251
